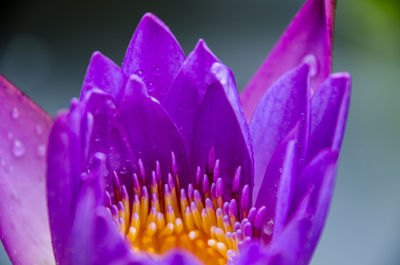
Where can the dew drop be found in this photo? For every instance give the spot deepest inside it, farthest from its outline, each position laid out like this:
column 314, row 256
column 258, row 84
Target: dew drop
column 139, row 72
column 38, row 130
column 150, row 87
column 269, row 227
column 157, row 70
column 17, row 148
column 41, row 150
column 15, row 113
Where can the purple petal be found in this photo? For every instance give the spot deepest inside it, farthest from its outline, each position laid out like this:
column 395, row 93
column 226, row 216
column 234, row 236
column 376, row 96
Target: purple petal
column 152, row 133
column 220, row 127
column 24, row 132
column 62, row 184
column 155, row 55
column 287, row 248
column 329, row 108
column 254, row 254
column 94, row 239
column 282, row 106
column 109, row 136
column 308, row 38
column 285, row 189
column 187, row 91
column 311, row 200
column 104, row 74
column 80, row 242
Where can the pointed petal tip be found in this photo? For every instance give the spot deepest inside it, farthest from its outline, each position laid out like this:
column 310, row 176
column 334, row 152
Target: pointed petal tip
column 342, row 75
column 151, row 18
column 135, row 86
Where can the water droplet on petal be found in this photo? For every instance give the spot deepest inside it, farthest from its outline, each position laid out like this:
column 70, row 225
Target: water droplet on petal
column 17, row 148
column 150, row 87
column 38, row 130
column 157, row 70
column 15, row 113
column 269, row 227
column 41, row 150
column 139, row 72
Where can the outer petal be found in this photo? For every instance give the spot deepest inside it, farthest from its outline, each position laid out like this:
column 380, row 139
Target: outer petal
column 218, row 126
column 104, row 74
column 109, row 136
column 329, row 108
column 24, row 131
column 187, row 92
column 152, row 133
column 308, row 38
column 277, row 113
column 155, row 55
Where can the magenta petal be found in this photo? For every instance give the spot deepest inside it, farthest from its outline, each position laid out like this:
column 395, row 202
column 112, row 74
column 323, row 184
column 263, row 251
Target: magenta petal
column 282, row 106
column 104, row 74
column 329, row 108
column 218, row 126
column 187, row 91
column 24, row 132
column 155, row 55
column 308, row 38
column 152, row 133
column 109, row 136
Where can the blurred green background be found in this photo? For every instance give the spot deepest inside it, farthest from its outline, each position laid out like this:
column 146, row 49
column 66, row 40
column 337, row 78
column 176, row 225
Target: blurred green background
column 45, row 47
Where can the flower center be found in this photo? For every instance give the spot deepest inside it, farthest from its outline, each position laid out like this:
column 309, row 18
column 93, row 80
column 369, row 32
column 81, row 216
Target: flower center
column 159, row 216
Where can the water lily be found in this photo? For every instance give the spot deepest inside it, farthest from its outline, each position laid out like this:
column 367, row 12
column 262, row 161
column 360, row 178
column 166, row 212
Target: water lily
column 160, row 161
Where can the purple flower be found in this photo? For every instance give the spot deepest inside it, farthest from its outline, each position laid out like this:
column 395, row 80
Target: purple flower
column 157, row 157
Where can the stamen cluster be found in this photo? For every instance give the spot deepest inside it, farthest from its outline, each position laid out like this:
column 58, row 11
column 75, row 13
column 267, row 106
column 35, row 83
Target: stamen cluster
column 158, row 216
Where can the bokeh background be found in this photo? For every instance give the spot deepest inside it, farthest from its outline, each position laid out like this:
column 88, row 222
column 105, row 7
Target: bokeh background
column 45, row 47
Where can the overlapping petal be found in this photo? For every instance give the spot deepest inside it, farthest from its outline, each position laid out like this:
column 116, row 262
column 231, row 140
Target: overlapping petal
column 62, row 186
column 329, row 108
column 110, row 137
column 152, row 133
column 311, row 201
column 155, row 55
column 187, row 91
column 104, row 74
column 282, row 106
column 285, row 189
column 218, row 126
column 24, row 131
column 307, row 39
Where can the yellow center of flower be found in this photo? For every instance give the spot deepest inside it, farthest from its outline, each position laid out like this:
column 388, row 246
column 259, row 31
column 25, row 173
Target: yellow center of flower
column 161, row 216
